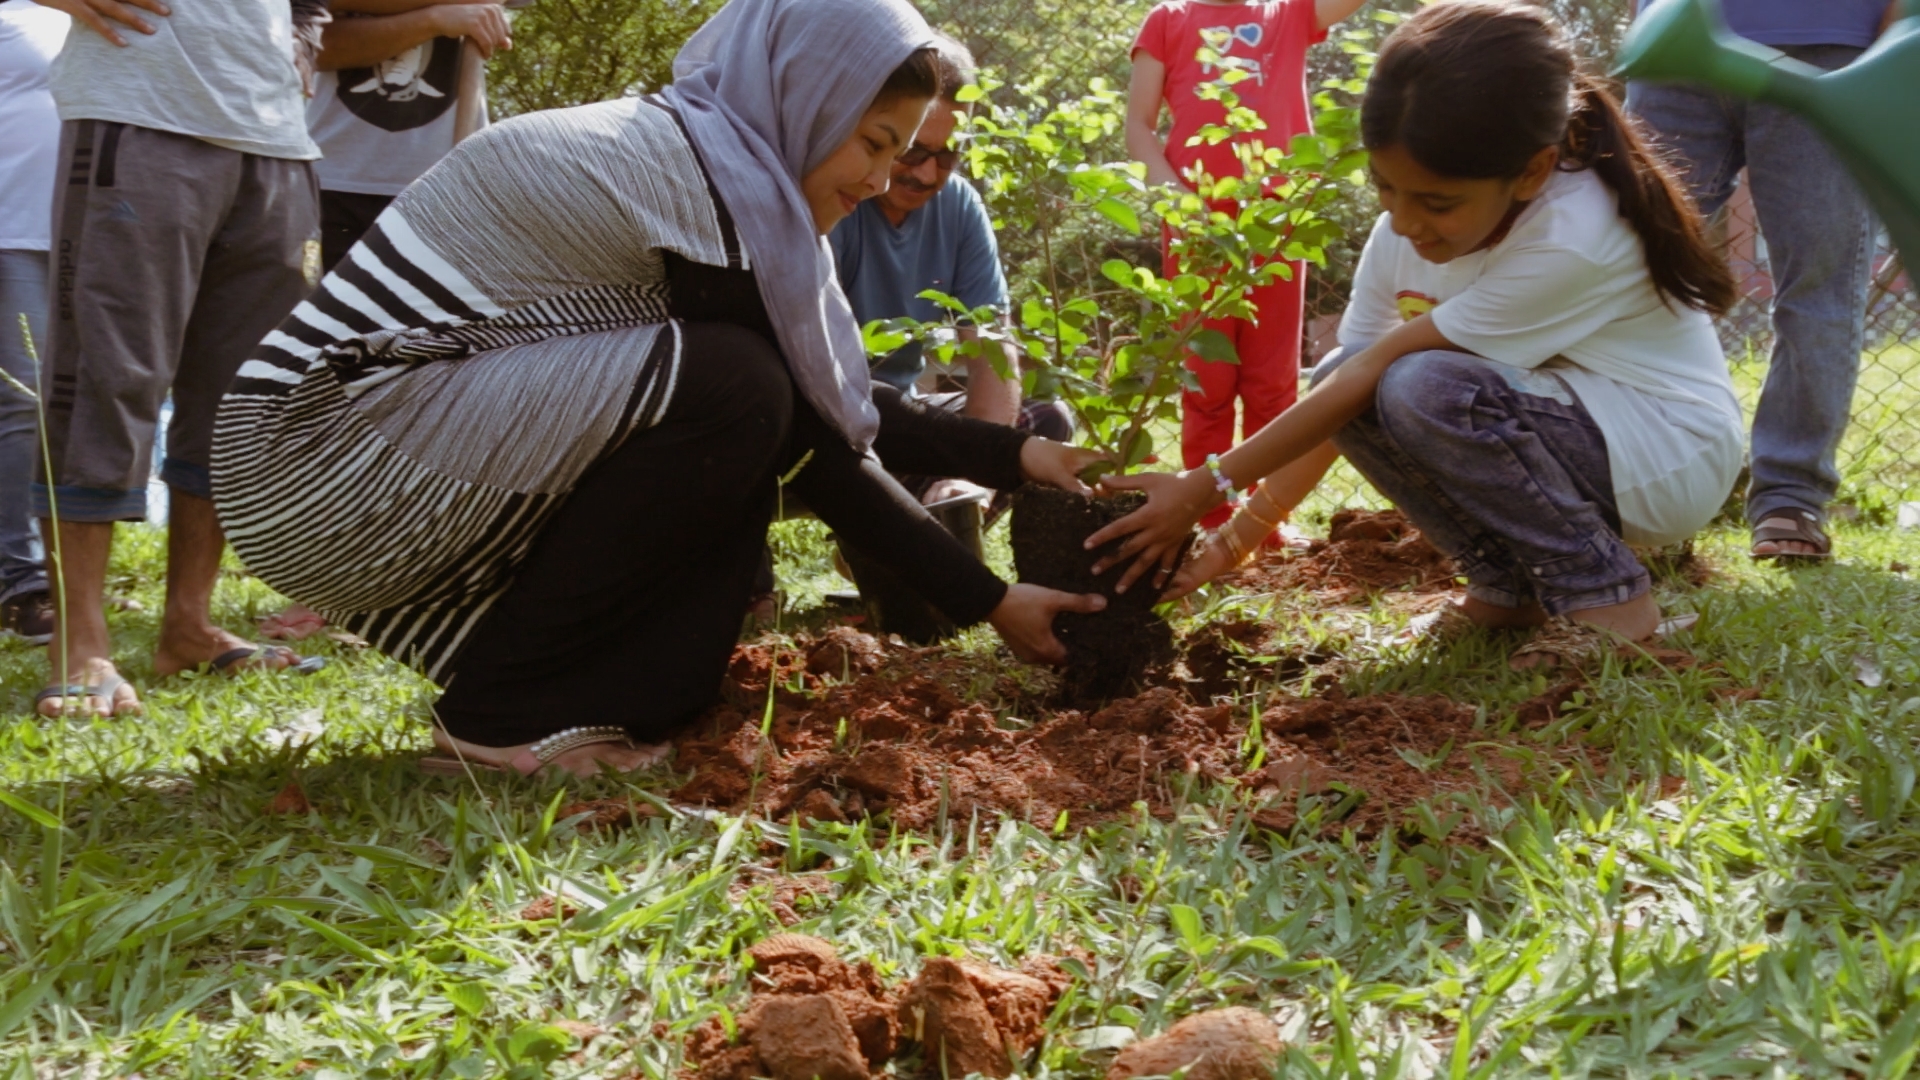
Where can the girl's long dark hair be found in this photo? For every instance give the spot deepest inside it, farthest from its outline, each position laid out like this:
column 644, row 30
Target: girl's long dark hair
column 1475, row 88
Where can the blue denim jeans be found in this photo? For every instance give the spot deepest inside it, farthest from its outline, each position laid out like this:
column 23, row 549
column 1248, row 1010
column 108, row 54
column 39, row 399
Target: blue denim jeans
column 1505, row 471
column 23, row 289
column 1819, row 231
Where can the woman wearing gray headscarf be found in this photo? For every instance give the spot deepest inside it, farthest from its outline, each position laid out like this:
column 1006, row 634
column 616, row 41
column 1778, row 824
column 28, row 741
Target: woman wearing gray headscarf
column 529, row 433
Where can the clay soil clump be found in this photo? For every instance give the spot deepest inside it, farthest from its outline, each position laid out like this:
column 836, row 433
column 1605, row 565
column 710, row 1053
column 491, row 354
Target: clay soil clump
column 814, row 1015
column 924, row 740
column 1366, row 551
column 1223, row 1044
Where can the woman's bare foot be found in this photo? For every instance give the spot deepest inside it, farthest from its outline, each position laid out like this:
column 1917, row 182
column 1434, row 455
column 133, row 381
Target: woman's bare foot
column 582, row 761
column 1636, row 620
column 97, row 672
column 297, row 621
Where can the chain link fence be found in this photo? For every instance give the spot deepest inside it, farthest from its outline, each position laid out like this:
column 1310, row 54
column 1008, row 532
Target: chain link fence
column 1057, row 47
column 570, row 51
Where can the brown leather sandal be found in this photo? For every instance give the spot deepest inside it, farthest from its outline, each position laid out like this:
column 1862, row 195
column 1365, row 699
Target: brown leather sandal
column 1804, row 530
column 534, row 758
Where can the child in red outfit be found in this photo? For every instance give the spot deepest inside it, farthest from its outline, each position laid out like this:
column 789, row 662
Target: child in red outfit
column 1270, row 37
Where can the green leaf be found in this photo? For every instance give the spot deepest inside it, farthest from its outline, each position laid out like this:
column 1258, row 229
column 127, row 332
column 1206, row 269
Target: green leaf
column 469, row 997
column 1119, row 213
column 1186, row 922
column 1210, row 344
column 29, row 811
column 17, row 1007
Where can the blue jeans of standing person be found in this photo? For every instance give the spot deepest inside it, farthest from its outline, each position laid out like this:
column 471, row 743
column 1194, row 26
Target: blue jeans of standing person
column 1504, row 470
column 23, row 289
column 1820, row 235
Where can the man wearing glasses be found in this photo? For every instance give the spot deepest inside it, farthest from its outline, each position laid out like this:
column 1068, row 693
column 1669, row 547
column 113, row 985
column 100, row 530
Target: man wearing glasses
column 926, row 233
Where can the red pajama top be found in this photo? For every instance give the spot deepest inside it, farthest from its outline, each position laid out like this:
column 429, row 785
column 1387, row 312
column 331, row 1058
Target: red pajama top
column 1271, row 35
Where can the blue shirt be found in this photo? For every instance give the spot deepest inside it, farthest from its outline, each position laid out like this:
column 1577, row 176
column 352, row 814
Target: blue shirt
column 1803, row 22
column 946, row 245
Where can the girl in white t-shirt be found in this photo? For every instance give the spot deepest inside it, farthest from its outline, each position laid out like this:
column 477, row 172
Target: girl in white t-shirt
column 1528, row 365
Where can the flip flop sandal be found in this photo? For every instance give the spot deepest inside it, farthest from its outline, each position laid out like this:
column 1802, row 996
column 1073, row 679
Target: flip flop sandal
column 1805, row 530
column 104, row 690
column 232, row 661
column 533, row 758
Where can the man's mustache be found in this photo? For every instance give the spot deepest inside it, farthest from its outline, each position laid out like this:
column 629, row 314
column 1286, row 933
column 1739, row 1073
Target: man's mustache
column 914, row 185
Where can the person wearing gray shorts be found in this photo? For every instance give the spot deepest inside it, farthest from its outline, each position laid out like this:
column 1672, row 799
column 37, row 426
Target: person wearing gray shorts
column 186, row 227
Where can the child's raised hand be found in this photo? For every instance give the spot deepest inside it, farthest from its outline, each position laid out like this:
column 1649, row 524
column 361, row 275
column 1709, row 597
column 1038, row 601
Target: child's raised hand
column 1154, row 533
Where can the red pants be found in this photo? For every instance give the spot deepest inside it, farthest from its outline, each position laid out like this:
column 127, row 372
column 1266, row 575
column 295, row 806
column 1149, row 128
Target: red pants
column 1265, row 381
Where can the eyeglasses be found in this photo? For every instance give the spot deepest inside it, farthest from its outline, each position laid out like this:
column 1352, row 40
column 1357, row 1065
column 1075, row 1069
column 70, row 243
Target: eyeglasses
column 915, row 155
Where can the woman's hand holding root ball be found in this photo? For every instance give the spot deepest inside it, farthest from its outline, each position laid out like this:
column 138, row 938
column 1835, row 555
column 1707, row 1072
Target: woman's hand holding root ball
column 1044, row 461
column 1025, row 620
column 1154, row 533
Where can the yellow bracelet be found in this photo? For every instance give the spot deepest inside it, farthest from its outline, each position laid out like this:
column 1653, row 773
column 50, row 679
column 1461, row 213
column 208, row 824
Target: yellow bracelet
column 1269, row 525
column 1235, row 550
column 1261, row 491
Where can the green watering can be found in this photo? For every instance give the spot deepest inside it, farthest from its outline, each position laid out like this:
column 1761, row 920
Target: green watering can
column 1869, row 111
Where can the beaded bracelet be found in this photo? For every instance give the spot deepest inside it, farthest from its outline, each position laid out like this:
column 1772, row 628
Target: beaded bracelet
column 1234, row 496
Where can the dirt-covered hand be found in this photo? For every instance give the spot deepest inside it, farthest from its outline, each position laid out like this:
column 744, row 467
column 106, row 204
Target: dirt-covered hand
column 485, row 25
column 1208, row 560
column 1044, row 461
column 97, row 13
column 1154, row 532
column 1025, row 620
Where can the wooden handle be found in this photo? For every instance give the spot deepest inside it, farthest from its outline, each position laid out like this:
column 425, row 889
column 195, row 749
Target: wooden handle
column 471, row 103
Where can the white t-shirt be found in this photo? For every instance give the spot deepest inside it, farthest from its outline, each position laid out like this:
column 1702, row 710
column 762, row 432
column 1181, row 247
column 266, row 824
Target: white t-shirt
column 381, row 127
column 219, row 70
column 1567, row 292
column 30, row 38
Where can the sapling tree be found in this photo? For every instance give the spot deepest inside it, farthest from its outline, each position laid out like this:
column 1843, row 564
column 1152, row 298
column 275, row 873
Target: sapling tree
column 1115, row 349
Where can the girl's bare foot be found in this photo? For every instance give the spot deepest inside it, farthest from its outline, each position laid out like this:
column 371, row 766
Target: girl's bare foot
column 1636, row 620
column 1494, row 617
column 582, row 761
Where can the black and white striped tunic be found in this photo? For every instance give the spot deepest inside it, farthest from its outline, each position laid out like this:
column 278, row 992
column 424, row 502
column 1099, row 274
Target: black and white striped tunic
column 389, row 453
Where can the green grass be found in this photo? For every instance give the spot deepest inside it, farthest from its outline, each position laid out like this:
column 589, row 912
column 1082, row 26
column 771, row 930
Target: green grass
column 1731, row 891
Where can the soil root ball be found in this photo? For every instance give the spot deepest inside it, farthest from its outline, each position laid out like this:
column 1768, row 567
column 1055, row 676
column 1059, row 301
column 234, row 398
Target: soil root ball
column 803, row 1037
column 1108, row 653
column 1224, row 1044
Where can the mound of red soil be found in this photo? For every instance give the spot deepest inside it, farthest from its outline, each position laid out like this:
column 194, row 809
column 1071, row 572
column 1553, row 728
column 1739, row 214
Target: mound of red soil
column 918, row 744
column 814, row 1015
column 1365, row 551
column 968, row 1017
column 1223, row 1044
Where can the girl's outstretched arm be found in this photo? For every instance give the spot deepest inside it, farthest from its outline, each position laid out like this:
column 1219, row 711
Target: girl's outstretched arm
column 1175, row 501
column 1328, row 12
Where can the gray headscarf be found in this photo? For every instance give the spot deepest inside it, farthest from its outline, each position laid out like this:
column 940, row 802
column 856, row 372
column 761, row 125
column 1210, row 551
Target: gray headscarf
column 769, row 89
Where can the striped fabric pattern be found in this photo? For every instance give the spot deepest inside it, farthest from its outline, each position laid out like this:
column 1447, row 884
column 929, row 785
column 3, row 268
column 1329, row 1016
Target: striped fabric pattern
column 389, row 454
